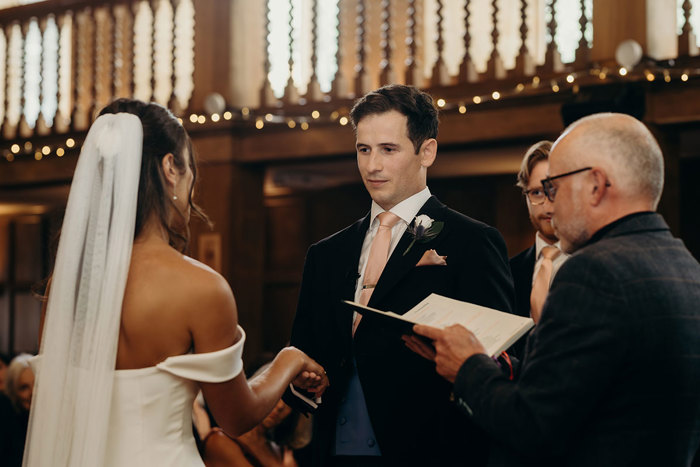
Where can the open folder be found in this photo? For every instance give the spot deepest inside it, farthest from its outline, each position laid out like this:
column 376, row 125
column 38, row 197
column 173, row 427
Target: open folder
column 495, row 329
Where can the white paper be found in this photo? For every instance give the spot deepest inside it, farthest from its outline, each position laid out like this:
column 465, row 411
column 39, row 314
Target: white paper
column 495, row 329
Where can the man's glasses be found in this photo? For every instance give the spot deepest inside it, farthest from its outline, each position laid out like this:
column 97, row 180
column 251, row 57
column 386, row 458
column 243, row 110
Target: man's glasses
column 535, row 196
column 548, row 187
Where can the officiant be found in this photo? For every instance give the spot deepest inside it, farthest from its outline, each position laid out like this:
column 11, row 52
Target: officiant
column 610, row 375
column 386, row 406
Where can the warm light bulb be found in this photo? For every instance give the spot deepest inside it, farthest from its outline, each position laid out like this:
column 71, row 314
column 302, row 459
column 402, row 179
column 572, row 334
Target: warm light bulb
column 291, row 123
column 215, row 117
column 570, row 79
column 201, row 119
column 496, row 95
column 343, row 121
column 193, row 118
column 623, row 71
column 268, row 117
column 315, row 114
column 228, row 115
column 441, row 103
column 477, row 99
column 15, row 148
column 38, row 156
column 70, row 142
column 259, row 124
column 60, row 152
column 45, row 150
column 462, row 109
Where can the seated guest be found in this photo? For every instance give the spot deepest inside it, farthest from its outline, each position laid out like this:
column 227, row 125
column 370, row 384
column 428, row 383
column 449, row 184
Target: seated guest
column 271, row 443
column 611, row 375
column 11, row 434
column 19, row 388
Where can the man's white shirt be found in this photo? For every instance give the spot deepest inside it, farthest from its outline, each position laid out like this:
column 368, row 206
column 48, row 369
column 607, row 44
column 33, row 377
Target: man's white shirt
column 556, row 263
column 407, row 211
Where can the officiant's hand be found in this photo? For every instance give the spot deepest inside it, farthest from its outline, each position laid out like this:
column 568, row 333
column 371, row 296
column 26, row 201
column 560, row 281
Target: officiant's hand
column 452, row 346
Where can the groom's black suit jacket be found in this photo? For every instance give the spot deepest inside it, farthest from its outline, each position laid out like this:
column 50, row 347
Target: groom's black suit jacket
column 408, row 403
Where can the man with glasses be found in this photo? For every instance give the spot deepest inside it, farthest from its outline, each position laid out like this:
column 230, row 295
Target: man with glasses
column 534, row 268
column 611, row 376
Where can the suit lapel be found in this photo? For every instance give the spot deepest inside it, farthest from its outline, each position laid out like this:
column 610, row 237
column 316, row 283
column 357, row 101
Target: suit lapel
column 400, row 264
column 350, row 260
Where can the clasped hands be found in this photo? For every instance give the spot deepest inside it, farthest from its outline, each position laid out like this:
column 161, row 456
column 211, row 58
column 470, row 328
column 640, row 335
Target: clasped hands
column 450, row 348
column 312, row 377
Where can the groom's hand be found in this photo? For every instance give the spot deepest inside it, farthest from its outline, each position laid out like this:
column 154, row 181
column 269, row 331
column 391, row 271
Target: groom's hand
column 311, row 381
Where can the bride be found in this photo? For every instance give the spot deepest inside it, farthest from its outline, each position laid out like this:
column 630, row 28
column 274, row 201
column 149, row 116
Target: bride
column 133, row 328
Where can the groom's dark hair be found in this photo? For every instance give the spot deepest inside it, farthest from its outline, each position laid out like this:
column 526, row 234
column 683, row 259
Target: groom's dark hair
column 162, row 134
column 418, row 107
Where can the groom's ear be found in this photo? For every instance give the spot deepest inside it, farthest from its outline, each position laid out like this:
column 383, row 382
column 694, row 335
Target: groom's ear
column 170, row 172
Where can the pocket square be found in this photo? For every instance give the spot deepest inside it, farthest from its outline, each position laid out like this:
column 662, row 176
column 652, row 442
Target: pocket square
column 431, row 258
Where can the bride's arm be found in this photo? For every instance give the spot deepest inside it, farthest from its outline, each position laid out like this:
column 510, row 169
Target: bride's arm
column 238, row 405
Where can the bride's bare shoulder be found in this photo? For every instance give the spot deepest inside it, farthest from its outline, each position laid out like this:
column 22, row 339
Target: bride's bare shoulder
column 184, row 280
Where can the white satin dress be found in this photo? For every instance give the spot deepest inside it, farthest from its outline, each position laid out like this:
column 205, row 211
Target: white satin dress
column 151, row 414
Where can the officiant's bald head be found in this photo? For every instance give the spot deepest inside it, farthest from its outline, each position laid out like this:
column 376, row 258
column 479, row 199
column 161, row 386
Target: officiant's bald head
column 603, row 167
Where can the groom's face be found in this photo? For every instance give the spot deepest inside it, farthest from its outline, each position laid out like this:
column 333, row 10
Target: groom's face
column 390, row 168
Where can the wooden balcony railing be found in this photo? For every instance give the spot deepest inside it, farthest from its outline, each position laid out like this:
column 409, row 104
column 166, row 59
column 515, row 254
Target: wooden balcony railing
column 62, row 60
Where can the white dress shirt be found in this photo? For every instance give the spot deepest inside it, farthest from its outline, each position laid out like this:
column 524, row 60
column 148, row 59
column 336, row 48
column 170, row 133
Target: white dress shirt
column 406, row 210
column 556, row 263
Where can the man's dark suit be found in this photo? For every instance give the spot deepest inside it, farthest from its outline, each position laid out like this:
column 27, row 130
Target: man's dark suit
column 611, row 376
column 408, row 403
column 522, row 266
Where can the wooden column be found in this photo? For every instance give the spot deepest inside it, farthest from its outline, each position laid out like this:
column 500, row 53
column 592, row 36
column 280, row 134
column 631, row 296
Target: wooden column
column 212, row 51
column 614, row 22
column 247, row 252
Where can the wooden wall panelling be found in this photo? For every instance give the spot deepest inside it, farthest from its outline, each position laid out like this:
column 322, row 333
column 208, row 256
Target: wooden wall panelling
column 285, row 250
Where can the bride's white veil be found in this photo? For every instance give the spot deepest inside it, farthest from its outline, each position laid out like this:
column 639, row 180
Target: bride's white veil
column 69, row 416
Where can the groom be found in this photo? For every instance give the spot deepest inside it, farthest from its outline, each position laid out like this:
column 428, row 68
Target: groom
column 386, row 405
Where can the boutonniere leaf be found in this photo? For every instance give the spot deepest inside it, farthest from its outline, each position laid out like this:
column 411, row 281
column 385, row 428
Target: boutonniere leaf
column 423, row 229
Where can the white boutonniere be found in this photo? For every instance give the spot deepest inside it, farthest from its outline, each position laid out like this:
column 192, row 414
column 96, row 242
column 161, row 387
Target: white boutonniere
column 423, row 229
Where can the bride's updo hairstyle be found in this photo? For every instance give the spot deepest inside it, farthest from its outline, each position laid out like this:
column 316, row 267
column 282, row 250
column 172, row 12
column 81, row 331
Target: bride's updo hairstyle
column 162, row 134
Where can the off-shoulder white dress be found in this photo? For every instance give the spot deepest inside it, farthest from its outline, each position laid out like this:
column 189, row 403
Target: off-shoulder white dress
column 151, row 415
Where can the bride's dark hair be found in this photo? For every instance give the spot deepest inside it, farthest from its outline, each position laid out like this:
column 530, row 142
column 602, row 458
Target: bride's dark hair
column 162, row 134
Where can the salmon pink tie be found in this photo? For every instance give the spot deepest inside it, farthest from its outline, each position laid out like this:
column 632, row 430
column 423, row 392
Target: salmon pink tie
column 378, row 256
column 540, row 286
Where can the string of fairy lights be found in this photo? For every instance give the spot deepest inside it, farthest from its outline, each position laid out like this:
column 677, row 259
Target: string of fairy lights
column 536, row 86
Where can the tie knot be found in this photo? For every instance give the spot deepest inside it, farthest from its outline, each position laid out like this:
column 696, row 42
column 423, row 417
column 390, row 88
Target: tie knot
column 388, row 219
column 550, row 252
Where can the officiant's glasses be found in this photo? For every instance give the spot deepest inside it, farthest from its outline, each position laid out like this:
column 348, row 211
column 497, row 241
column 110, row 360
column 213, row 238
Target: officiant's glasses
column 550, row 190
